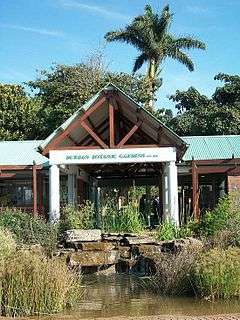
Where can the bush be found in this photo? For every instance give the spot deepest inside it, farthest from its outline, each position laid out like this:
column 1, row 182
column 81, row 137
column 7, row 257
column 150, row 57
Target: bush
column 125, row 220
column 81, row 218
column 169, row 231
column 172, row 273
column 221, row 226
column 7, row 244
column 29, row 230
column 217, row 274
column 31, row 284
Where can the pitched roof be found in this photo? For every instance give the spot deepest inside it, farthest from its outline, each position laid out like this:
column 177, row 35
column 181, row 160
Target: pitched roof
column 212, row 147
column 135, row 106
column 21, row 153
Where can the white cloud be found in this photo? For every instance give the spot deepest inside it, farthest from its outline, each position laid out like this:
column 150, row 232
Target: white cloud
column 51, row 33
column 72, row 4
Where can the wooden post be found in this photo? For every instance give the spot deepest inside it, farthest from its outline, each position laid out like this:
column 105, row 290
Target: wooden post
column 195, row 197
column 34, row 183
column 111, row 124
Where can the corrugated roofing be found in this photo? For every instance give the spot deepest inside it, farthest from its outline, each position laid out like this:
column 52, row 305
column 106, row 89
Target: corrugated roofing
column 199, row 148
column 212, row 147
column 21, row 153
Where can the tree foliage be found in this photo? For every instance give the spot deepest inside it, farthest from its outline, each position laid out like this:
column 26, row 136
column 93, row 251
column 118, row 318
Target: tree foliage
column 199, row 115
column 64, row 89
column 149, row 34
column 18, row 113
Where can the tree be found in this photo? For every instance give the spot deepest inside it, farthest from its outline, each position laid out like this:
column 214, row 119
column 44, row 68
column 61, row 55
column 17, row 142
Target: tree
column 199, row 115
column 188, row 100
column 18, row 113
column 64, row 89
column 149, row 34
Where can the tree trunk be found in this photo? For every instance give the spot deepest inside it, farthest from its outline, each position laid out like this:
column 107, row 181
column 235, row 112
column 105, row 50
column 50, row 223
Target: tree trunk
column 151, row 79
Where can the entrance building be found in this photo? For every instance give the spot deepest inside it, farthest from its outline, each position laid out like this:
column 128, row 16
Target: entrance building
column 113, row 137
column 111, row 140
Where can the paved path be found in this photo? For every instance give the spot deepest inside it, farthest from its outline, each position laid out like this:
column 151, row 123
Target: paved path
column 169, row 317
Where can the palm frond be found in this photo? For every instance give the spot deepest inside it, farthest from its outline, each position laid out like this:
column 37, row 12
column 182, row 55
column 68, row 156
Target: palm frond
column 140, row 60
column 189, row 43
column 180, row 56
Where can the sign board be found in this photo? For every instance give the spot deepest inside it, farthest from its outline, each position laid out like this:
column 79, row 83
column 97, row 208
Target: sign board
column 102, row 156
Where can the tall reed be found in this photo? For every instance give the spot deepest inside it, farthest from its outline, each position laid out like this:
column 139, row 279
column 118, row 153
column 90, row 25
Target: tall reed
column 217, row 274
column 32, row 285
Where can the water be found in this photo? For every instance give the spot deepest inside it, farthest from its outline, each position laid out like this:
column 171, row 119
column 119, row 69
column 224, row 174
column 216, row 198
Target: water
column 121, row 295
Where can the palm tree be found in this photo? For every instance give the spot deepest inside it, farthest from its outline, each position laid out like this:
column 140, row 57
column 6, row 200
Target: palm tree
column 149, row 34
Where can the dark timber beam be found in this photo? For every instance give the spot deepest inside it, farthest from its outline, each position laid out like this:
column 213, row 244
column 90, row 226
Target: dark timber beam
column 129, row 134
column 34, row 183
column 195, row 193
column 94, row 135
column 111, row 124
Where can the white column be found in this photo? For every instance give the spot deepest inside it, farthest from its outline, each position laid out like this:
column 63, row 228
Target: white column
column 165, row 192
column 173, row 192
column 54, row 193
column 71, row 188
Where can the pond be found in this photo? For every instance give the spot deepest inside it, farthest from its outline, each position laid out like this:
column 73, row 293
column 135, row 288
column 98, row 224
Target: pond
column 122, row 295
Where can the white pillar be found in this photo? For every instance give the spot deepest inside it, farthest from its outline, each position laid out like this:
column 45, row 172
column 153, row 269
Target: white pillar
column 173, row 192
column 54, row 193
column 71, row 188
column 165, row 192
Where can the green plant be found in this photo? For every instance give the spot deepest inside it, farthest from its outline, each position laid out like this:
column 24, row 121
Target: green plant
column 29, row 230
column 7, row 244
column 172, row 272
column 167, row 231
column 125, row 220
column 77, row 218
column 215, row 220
column 32, row 284
column 217, row 274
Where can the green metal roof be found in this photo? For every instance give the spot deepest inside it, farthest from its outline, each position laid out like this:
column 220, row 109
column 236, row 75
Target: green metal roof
column 212, row 147
column 13, row 153
column 199, row 147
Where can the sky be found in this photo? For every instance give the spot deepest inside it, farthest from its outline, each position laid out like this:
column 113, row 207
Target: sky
column 35, row 34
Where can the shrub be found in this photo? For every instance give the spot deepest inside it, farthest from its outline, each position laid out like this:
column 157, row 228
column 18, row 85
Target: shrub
column 215, row 220
column 29, row 230
column 221, row 226
column 7, row 244
column 169, row 231
column 125, row 220
column 77, row 218
column 172, row 272
column 217, row 274
column 31, row 284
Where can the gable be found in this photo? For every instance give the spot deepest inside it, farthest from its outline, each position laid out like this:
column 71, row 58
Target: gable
column 111, row 119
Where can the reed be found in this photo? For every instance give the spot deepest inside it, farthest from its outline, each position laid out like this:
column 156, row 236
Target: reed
column 32, row 284
column 217, row 274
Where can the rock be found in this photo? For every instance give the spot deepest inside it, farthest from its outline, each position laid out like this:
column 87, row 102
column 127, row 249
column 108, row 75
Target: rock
column 94, row 258
column 96, row 246
column 149, row 248
column 124, row 252
column 138, row 240
column 80, row 235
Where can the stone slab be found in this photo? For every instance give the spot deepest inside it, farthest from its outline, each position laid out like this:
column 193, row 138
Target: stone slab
column 96, row 246
column 94, row 258
column 80, row 235
column 138, row 240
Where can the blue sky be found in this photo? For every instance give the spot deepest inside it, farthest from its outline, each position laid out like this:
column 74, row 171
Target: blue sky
column 34, row 34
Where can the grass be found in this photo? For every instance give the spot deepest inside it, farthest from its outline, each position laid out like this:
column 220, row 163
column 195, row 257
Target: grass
column 217, row 274
column 34, row 285
column 125, row 220
column 172, row 275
